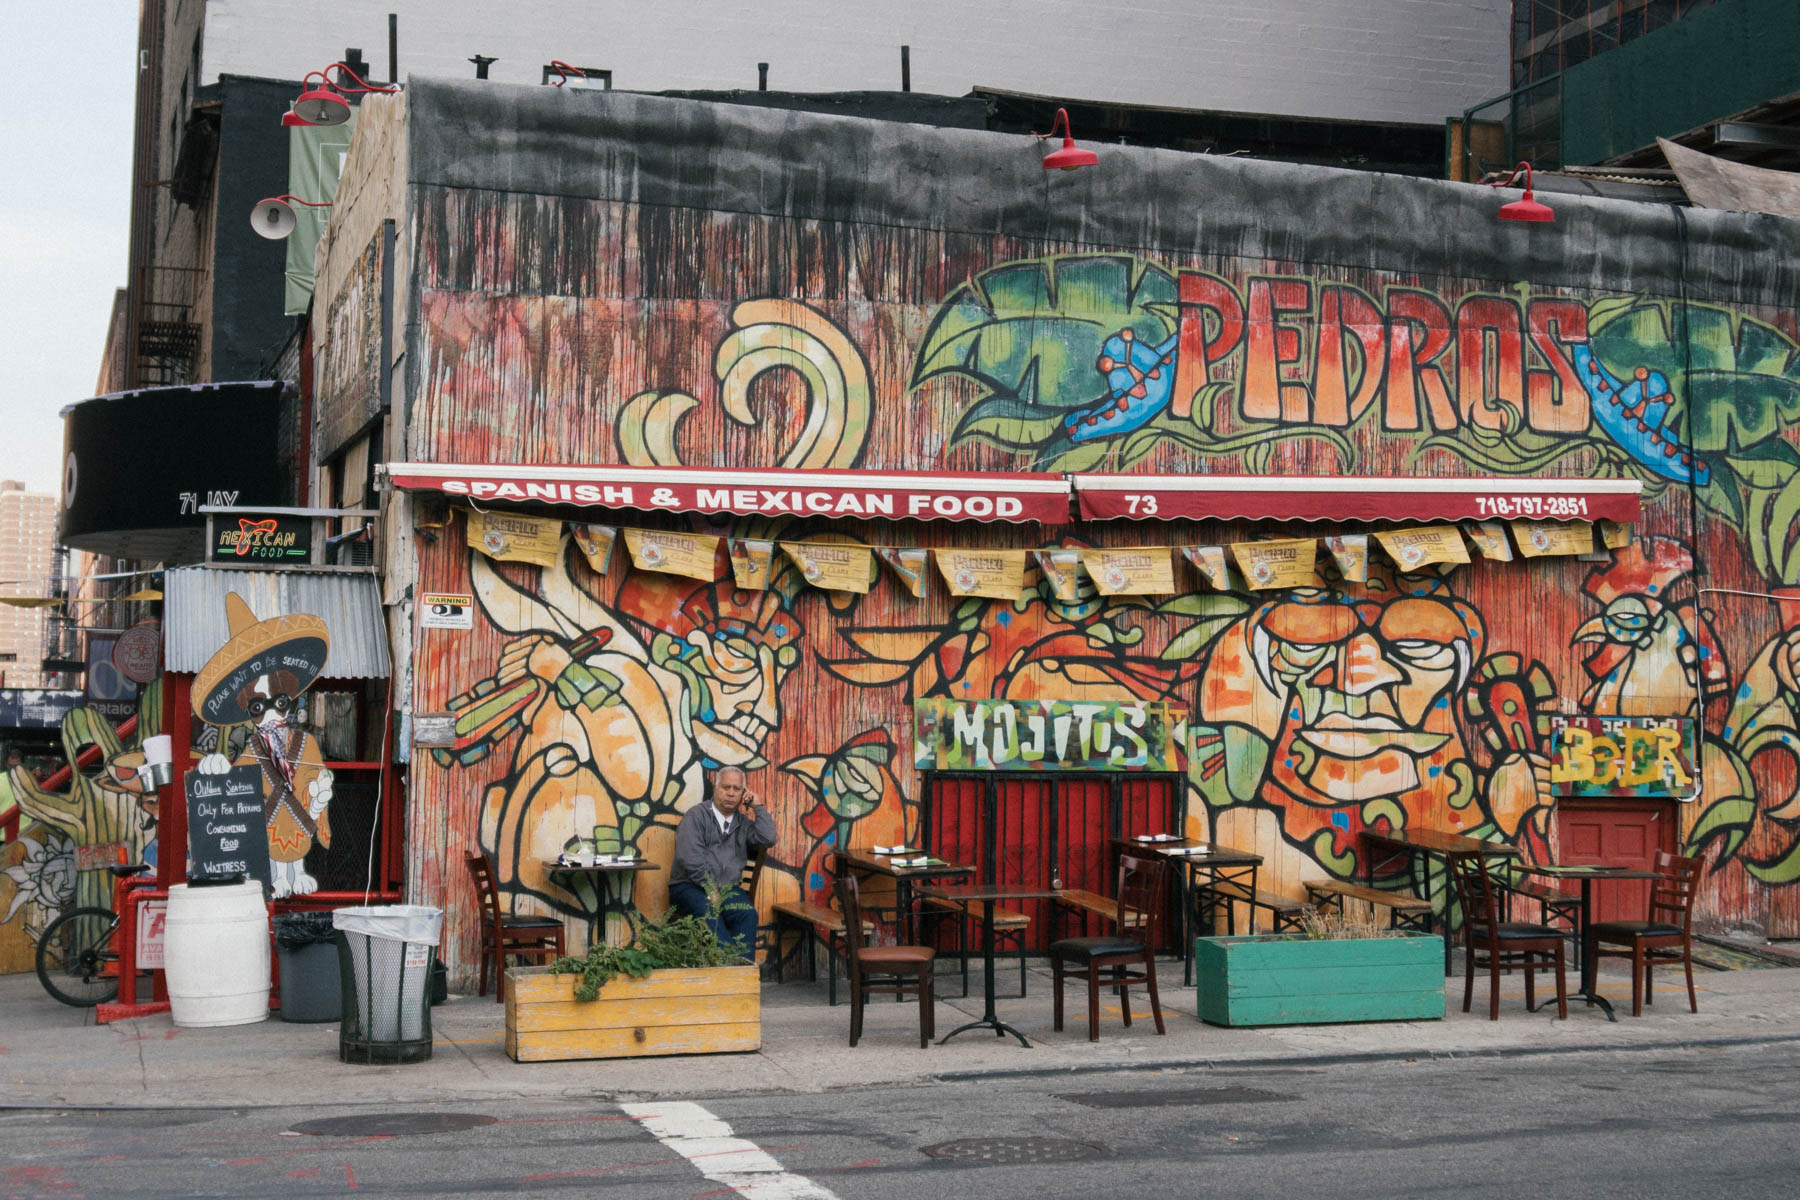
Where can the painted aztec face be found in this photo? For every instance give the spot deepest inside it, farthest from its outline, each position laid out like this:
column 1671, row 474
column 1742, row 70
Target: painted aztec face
column 1352, row 689
column 735, row 647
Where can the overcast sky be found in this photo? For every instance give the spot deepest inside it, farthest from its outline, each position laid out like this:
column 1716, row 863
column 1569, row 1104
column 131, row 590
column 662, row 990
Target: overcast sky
column 64, row 215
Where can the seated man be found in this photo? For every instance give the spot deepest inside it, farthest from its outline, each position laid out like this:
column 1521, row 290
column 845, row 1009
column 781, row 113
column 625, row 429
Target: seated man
column 712, row 843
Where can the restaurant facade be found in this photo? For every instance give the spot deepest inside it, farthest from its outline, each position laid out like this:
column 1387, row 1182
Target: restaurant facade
column 1010, row 510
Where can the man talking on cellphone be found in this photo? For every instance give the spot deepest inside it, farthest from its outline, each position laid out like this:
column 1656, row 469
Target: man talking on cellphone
column 712, row 843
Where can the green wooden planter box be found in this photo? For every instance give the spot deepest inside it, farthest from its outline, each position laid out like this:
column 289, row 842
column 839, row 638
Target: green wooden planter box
column 1279, row 979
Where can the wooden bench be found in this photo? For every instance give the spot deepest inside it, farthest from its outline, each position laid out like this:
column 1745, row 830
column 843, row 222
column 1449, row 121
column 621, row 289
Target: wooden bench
column 1405, row 910
column 816, row 924
column 1285, row 912
column 1009, row 925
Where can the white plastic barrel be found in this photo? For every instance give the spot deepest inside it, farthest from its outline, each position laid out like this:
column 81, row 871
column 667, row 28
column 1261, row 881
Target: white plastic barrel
column 216, row 954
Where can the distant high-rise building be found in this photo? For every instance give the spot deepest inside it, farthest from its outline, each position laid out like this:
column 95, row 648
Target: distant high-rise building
column 27, row 550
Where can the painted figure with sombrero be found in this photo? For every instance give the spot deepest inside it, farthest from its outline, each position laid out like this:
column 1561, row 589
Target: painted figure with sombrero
column 257, row 678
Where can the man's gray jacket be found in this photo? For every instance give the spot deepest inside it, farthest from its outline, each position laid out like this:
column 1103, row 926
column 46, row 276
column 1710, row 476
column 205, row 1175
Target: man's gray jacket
column 704, row 852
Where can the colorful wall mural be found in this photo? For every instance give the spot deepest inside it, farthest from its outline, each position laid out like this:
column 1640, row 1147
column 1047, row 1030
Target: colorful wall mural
column 669, row 337
column 107, row 805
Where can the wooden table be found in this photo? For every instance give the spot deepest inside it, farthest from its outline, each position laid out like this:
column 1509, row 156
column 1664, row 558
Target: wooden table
column 965, row 894
column 866, row 862
column 1587, row 873
column 611, row 889
column 1427, row 844
column 1201, row 899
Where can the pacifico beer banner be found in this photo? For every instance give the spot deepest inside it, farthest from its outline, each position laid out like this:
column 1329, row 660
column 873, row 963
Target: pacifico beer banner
column 1490, row 539
column 1538, row 539
column 750, row 563
column 997, row 574
column 509, row 537
column 1270, row 565
column 836, row 568
column 1212, row 565
column 692, row 555
column 909, row 565
column 1351, row 550
column 596, row 542
column 1614, row 535
column 1133, row 571
column 1062, row 571
column 1422, row 545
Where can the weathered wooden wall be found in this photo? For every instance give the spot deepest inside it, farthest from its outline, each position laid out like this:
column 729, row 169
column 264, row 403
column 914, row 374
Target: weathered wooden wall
column 560, row 328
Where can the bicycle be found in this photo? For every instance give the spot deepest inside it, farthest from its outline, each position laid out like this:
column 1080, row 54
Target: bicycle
column 77, row 961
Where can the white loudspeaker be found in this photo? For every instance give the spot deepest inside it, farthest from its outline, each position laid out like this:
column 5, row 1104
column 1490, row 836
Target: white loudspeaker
column 272, row 218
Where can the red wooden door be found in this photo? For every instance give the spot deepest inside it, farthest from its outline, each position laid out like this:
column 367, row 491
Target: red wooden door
column 1619, row 833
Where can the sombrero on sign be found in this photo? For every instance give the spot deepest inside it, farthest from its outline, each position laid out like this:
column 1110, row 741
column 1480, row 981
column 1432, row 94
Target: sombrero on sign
column 297, row 643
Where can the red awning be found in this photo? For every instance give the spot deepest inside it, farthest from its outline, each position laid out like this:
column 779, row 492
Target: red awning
column 1356, row 498
column 925, row 495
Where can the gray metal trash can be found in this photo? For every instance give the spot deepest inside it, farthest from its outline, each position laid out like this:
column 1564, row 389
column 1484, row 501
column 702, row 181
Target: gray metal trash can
column 306, row 947
column 385, row 958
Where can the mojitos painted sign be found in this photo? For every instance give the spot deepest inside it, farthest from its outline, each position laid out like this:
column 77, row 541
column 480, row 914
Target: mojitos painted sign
column 1046, row 735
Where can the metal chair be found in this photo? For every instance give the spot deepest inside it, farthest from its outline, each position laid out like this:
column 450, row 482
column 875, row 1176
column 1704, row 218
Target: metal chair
column 1497, row 946
column 1665, row 935
column 1139, row 898
column 538, row 938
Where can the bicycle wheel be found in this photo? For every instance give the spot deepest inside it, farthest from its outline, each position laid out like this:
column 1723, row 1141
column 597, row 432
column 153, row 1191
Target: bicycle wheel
column 76, row 961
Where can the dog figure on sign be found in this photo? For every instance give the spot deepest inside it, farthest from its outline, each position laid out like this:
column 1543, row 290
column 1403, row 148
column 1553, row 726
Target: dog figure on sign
column 257, row 678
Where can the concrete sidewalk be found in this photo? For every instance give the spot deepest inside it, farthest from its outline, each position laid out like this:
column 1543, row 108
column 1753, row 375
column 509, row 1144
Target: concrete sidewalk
column 51, row 1055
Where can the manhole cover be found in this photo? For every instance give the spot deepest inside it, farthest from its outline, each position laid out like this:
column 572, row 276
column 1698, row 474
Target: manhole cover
column 1017, row 1150
column 1182, row 1098
column 393, row 1124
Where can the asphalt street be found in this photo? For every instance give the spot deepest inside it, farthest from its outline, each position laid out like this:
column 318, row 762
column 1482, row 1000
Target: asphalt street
column 1694, row 1122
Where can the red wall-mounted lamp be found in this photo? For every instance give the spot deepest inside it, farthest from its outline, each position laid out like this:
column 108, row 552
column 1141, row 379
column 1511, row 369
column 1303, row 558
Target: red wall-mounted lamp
column 1525, row 208
column 324, row 102
column 1070, row 156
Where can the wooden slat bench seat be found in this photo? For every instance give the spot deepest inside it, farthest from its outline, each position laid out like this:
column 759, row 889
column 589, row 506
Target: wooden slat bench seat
column 1405, row 910
column 1009, row 926
column 1285, row 912
column 817, row 923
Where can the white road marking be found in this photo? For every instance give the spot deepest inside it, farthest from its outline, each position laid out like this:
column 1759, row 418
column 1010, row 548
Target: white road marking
column 707, row 1142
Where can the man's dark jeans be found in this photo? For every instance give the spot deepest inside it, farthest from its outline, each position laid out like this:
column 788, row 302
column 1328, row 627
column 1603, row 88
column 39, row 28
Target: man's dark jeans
column 735, row 923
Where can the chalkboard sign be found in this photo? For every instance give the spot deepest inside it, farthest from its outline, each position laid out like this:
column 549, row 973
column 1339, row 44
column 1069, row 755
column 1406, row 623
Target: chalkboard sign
column 226, row 832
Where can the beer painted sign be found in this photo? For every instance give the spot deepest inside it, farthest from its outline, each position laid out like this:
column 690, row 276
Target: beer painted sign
column 1046, row 735
column 1635, row 757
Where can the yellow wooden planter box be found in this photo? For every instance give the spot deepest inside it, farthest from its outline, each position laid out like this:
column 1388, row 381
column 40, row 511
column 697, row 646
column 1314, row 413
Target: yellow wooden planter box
column 708, row 1010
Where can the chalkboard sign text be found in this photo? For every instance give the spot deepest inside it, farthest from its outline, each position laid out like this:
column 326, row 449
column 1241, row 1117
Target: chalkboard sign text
column 227, row 834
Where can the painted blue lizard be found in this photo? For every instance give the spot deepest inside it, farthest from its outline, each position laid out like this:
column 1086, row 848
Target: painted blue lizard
column 1632, row 415
column 1140, row 381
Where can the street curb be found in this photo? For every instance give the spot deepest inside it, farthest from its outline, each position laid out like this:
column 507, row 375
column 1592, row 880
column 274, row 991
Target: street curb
column 1282, row 1063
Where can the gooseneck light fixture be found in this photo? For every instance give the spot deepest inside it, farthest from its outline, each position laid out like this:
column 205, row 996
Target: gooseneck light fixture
column 1525, row 208
column 274, row 219
column 564, row 71
column 1071, row 156
column 322, row 102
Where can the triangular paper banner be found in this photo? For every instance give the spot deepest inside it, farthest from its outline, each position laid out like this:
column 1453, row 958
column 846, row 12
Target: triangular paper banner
column 751, row 560
column 1062, row 572
column 1270, row 565
column 596, row 543
column 908, row 564
column 1421, row 545
column 1351, row 552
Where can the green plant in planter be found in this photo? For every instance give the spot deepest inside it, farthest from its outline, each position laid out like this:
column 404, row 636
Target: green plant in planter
column 662, row 943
